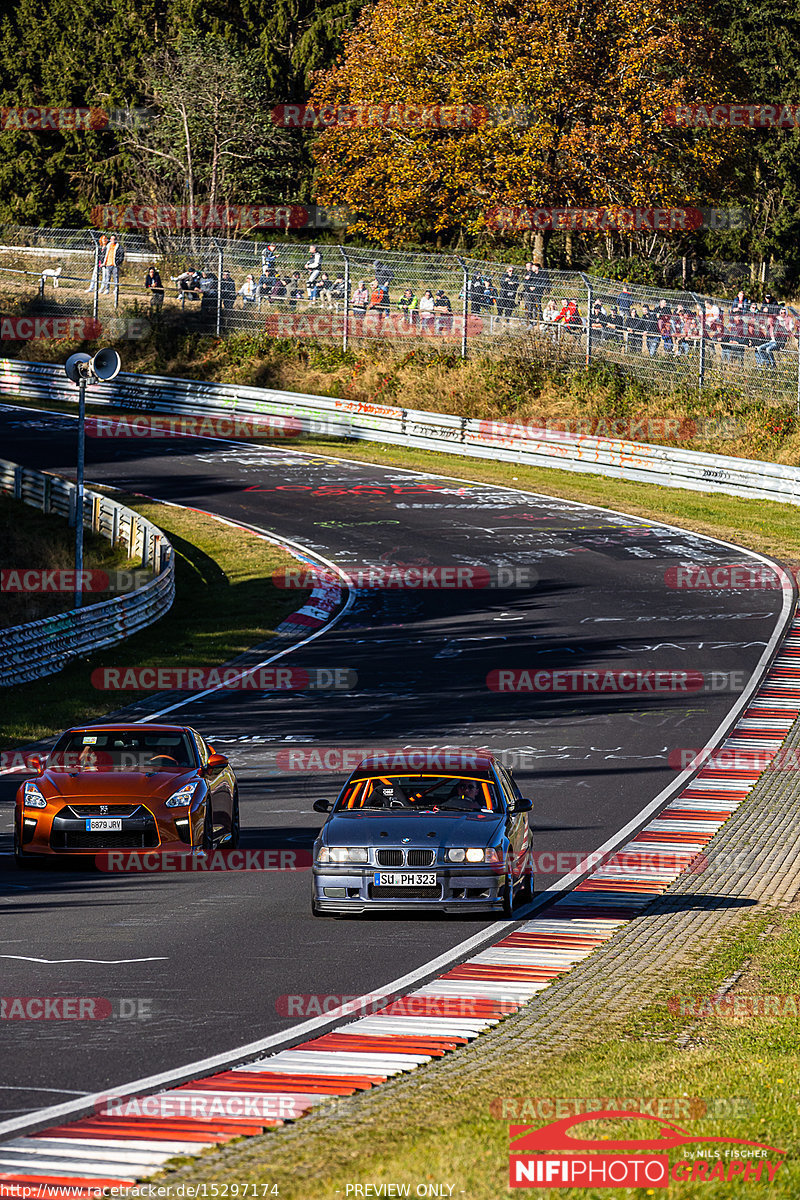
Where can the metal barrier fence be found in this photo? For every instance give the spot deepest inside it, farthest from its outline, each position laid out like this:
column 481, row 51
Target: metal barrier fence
column 475, row 438
column 353, row 297
column 43, row 647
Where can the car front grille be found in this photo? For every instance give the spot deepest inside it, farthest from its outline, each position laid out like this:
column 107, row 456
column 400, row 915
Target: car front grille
column 69, row 832
column 389, row 858
column 102, row 810
column 400, row 858
column 404, row 893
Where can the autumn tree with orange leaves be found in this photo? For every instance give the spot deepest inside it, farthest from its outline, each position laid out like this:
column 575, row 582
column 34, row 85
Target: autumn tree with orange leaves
column 592, row 79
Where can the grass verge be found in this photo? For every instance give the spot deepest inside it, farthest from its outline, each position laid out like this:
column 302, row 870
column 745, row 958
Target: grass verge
column 740, row 1061
column 31, row 540
column 225, row 603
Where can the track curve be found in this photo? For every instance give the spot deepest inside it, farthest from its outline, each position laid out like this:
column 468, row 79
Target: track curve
column 213, row 955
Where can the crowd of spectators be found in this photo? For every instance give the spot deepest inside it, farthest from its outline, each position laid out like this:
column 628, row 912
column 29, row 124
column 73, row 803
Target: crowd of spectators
column 662, row 327
column 513, row 298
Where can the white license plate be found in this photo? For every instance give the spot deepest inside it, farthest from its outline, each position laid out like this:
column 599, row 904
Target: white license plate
column 104, row 825
column 405, row 879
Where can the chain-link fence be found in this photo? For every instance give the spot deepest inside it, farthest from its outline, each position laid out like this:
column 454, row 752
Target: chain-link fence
column 353, row 296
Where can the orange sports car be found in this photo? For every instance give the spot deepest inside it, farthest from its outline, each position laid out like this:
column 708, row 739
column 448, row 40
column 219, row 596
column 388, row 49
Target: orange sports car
column 126, row 787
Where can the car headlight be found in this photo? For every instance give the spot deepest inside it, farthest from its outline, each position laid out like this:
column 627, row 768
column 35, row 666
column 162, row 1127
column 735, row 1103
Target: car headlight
column 183, row 796
column 32, row 797
column 473, row 854
column 342, row 854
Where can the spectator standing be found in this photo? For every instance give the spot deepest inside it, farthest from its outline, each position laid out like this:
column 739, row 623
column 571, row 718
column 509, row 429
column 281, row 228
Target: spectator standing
column 102, row 242
column 295, row 290
column 507, row 300
column 770, row 327
column 227, row 290
column 734, row 346
column 359, row 304
column 337, row 293
column 314, row 268
column 527, row 294
column 650, row 329
column 624, row 301
column 188, row 282
column 427, row 304
column 248, row 291
column 597, row 322
column 634, row 328
column 443, row 310
column 152, row 281
column 112, row 259
column 208, row 292
column 269, row 262
column 409, row 306
column 476, row 293
column 379, row 302
column 664, row 322
column 571, row 318
column 383, row 274
column 538, row 286
column 613, row 326
column 680, row 344
column 548, row 322
column 491, row 298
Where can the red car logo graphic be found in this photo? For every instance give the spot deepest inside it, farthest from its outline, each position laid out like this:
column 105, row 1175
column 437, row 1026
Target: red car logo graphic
column 527, row 1139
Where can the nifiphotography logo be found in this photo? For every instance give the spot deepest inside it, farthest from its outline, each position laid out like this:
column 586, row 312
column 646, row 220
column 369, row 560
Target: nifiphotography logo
column 550, row 1156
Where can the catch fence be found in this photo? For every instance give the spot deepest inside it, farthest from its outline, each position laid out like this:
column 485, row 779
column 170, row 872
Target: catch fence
column 358, row 296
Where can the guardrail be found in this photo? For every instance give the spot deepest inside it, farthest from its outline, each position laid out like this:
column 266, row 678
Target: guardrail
column 638, row 461
column 38, row 648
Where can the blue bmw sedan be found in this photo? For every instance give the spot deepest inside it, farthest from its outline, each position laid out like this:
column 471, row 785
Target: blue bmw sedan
column 409, row 833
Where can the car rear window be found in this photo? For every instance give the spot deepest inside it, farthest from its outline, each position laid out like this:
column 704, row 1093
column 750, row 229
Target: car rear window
column 122, row 750
column 421, row 793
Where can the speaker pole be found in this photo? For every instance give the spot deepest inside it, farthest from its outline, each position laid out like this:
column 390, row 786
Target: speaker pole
column 79, row 490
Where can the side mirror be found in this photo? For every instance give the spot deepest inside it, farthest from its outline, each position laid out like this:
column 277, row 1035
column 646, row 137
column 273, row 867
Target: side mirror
column 216, row 762
column 322, row 806
column 35, row 763
column 523, row 805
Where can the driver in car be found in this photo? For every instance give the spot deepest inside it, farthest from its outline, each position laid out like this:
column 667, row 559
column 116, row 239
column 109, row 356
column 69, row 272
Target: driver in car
column 467, row 795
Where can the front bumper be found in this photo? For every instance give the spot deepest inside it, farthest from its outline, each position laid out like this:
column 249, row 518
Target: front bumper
column 55, row 832
column 354, row 890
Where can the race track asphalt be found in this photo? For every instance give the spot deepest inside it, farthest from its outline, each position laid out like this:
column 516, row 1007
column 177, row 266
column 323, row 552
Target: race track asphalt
column 213, row 957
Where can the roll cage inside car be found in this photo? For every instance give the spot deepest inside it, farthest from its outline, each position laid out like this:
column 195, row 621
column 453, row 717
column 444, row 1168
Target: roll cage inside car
column 373, row 790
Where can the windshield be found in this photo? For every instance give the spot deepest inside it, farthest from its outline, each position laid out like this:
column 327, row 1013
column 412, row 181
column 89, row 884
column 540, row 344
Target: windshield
column 421, row 793
column 122, row 750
